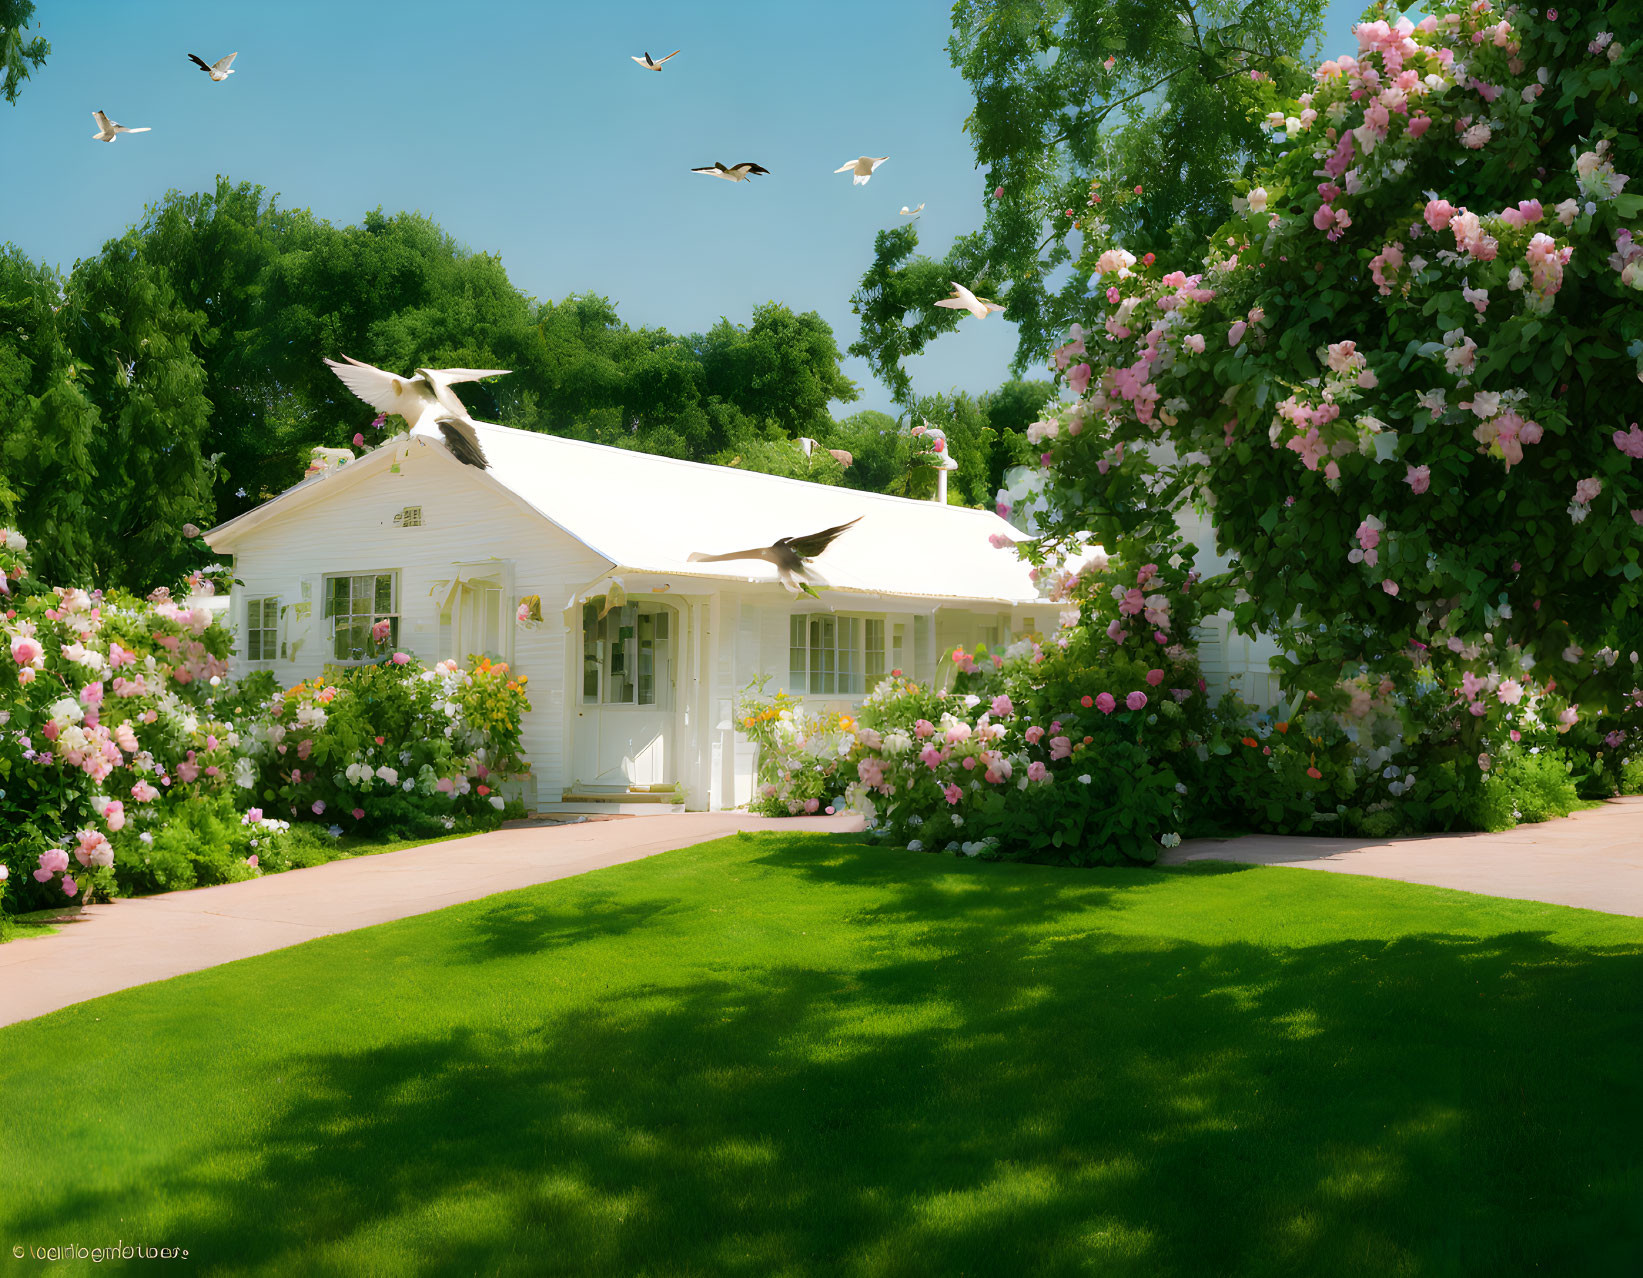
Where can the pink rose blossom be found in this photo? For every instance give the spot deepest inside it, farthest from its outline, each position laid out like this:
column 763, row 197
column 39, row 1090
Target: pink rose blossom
column 1155, row 677
column 1136, row 700
column 1419, row 479
column 1036, row 771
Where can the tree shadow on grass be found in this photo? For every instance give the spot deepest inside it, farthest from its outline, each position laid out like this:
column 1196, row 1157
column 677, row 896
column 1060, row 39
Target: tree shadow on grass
column 1010, row 1088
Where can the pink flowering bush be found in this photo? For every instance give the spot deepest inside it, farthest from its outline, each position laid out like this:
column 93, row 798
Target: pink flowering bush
column 1071, row 749
column 129, row 762
column 1404, row 380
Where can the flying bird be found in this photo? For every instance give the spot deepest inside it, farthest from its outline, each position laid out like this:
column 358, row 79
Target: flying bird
column 426, row 402
column 789, row 554
column 735, row 173
column 654, row 64
column 106, row 128
column 862, row 170
column 907, row 212
column 221, row 69
column 964, row 300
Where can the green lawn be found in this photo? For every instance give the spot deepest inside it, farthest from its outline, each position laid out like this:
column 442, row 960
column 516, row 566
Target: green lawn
column 788, row 1054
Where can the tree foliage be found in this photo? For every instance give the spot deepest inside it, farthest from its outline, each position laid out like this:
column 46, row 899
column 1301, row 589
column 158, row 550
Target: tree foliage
column 1076, row 100
column 177, row 376
column 19, row 57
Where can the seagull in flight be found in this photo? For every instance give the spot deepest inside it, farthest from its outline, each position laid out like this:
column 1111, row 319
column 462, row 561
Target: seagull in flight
column 654, row 64
column 735, row 173
column 964, row 300
column 789, row 554
column 861, row 170
column 106, row 128
column 221, row 69
column 907, row 212
column 426, row 402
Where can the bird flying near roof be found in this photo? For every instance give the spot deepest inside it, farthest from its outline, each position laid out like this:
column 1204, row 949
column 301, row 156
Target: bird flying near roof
column 107, row 128
column 862, row 169
column 654, row 64
column 964, row 300
column 789, row 555
column 735, row 172
column 221, row 69
column 426, row 402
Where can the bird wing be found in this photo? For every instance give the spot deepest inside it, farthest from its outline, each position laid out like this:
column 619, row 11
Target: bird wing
column 847, row 167
column 463, row 441
column 644, row 61
column 467, row 374
column 954, row 303
column 876, row 161
column 714, row 170
column 674, row 54
column 380, row 389
column 120, row 128
column 103, row 122
column 814, row 544
column 747, row 166
column 223, row 64
column 199, row 62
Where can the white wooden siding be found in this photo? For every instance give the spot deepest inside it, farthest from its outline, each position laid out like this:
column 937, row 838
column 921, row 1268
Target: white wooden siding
column 463, row 520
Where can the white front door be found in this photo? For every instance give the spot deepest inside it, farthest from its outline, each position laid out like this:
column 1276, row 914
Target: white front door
column 624, row 716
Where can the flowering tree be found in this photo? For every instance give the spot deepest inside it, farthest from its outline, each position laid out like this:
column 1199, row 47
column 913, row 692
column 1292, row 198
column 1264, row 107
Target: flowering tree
column 1407, row 376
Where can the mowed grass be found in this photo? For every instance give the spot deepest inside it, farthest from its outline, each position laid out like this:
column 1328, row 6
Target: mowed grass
column 799, row 1055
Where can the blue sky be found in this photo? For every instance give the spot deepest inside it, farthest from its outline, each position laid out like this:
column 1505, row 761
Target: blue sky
column 524, row 130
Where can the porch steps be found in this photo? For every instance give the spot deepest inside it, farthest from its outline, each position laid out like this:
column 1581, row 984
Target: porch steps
column 634, row 800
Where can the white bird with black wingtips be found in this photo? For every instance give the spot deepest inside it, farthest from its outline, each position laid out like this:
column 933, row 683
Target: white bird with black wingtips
column 107, row 130
column 424, row 400
column 654, row 64
column 219, row 70
column 861, row 170
column 734, row 172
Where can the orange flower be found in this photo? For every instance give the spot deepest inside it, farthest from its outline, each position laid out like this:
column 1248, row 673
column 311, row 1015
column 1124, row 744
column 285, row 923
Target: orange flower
column 1282, row 727
column 1250, row 742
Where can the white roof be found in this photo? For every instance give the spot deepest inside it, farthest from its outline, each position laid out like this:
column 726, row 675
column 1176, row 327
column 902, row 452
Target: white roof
column 648, row 514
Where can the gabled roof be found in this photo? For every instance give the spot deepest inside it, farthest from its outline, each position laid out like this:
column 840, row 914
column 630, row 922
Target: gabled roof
column 645, row 513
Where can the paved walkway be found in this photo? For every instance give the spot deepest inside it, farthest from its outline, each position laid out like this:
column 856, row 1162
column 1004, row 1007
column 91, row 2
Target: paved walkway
column 151, row 938
column 1593, row 859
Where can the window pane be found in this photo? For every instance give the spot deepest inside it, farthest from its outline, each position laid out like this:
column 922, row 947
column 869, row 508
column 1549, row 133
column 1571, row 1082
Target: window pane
column 385, row 592
column 253, row 645
column 336, row 599
column 590, row 652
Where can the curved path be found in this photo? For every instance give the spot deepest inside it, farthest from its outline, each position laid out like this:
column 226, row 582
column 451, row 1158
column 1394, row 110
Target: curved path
column 113, row 946
column 1593, row 859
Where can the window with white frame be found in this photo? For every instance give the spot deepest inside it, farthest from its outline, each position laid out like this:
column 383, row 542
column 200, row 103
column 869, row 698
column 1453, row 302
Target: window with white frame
column 262, row 627
column 834, row 656
column 873, row 636
column 356, row 605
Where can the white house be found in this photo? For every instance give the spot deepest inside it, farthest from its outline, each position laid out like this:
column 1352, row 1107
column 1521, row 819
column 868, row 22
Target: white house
column 640, row 653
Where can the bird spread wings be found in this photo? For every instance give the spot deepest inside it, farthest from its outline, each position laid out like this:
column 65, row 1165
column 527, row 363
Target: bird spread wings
column 380, row 389
column 733, row 173
column 813, row 545
column 655, row 64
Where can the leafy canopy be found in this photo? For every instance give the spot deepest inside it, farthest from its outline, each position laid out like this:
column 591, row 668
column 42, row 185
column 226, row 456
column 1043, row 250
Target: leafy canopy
column 1068, row 93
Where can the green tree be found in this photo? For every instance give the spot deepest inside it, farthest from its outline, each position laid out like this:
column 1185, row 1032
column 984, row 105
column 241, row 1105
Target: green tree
column 48, row 425
column 19, row 57
column 1079, row 103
